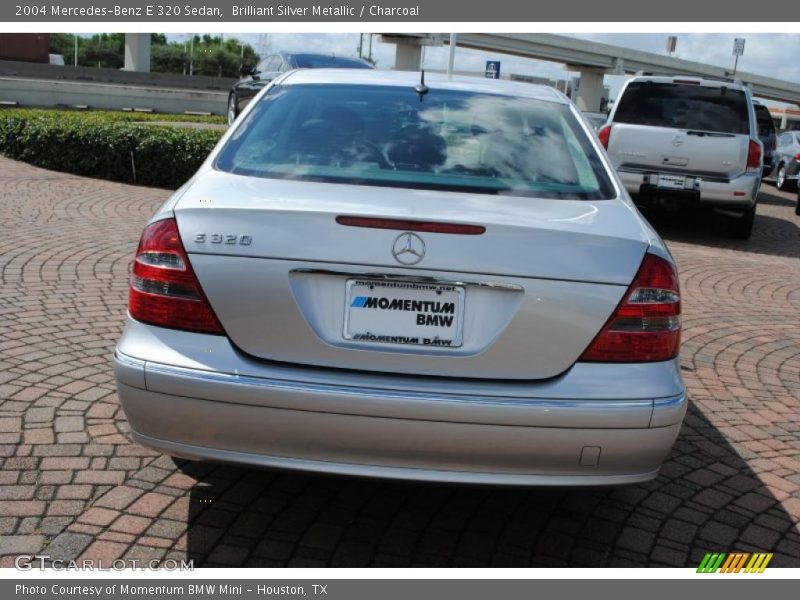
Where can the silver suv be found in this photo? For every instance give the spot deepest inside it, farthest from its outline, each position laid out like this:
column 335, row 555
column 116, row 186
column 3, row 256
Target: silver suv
column 678, row 139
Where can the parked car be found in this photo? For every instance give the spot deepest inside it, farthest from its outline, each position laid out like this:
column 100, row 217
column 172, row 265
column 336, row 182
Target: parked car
column 767, row 135
column 375, row 275
column 787, row 160
column 596, row 119
column 688, row 140
column 255, row 78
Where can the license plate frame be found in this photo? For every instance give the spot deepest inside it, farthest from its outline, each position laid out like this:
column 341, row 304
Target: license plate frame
column 374, row 301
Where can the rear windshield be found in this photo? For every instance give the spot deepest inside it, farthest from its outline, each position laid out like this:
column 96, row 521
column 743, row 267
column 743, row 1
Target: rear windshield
column 766, row 127
column 448, row 140
column 684, row 106
column 316, row 61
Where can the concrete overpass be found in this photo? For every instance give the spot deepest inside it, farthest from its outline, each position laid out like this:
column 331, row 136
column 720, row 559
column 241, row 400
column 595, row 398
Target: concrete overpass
column 591, row 59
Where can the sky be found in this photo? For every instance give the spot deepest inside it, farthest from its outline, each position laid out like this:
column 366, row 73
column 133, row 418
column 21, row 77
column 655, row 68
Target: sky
column 773, row 55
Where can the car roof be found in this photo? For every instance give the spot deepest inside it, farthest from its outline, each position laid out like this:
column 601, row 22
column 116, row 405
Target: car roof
column 699, row 80
column 433, row 80
column 323, row 54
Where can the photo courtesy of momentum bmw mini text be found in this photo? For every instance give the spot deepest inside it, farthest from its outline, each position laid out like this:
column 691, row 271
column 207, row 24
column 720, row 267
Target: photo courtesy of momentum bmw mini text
column 415, row 299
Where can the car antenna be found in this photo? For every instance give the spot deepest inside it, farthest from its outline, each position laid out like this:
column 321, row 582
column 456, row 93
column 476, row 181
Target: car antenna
column 421, row 88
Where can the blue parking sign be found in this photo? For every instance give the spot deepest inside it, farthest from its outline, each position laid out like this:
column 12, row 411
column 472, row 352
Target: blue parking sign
column 492, row 69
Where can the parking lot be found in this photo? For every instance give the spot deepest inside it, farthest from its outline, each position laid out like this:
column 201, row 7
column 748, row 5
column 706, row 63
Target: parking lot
column 73, row 486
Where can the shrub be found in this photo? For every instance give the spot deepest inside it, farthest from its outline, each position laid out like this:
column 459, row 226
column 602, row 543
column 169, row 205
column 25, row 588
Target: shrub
column 115, row 146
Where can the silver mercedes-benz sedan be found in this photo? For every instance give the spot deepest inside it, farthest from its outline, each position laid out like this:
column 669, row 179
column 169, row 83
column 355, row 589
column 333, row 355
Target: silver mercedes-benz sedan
column 376, row 274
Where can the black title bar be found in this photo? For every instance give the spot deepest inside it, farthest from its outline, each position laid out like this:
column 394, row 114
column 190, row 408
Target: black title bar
column 440, row 11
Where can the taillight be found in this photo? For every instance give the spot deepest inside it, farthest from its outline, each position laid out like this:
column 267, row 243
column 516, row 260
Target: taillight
column 604, row 133
column 754, row 155
column 797, row 156
column 646, row 326
column 164, row 290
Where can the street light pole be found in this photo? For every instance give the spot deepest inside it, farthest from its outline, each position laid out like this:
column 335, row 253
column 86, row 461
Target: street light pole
column 75, row 35
column 452, row 59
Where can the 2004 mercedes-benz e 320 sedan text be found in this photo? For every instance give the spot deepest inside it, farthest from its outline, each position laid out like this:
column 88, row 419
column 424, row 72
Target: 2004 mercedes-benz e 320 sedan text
column 374, row 275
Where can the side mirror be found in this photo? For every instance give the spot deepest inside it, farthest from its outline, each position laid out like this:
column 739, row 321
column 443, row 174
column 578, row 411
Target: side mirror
column 246, row 70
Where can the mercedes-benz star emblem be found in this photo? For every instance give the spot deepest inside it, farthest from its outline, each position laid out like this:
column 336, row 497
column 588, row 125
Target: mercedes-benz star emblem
column 408, row 248
column 677, row 140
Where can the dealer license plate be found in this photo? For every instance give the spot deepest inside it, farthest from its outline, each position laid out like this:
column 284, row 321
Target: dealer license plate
column 674, row 182
column 402, row 312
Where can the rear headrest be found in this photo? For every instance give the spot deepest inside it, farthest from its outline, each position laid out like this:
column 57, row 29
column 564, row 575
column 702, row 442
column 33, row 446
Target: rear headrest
column 417, row 147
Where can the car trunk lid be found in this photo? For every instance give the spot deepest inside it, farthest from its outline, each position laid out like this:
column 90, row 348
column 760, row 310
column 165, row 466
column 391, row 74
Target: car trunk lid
column 684, row 151
column 526, row 296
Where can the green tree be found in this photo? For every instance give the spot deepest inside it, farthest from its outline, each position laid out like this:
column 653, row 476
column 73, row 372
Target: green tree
column 213, row 56
column 245, row 52
column 215, row 61
column 64, row 44
column 101, row 50
column 105, row 50
column 217, row 58
column 169, row 58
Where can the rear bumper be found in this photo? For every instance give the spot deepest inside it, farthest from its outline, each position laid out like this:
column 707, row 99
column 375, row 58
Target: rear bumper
column 574, row 431
column 739, row 192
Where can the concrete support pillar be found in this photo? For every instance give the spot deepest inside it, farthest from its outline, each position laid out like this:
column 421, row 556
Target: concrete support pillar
column 590, row 88
column 137, row 52
column 408, row 56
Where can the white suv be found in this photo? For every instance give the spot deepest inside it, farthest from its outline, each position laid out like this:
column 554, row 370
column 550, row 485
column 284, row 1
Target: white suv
column 678, row 139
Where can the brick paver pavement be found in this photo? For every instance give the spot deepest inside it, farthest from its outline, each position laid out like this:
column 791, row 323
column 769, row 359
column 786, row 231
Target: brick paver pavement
column 73, row 486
